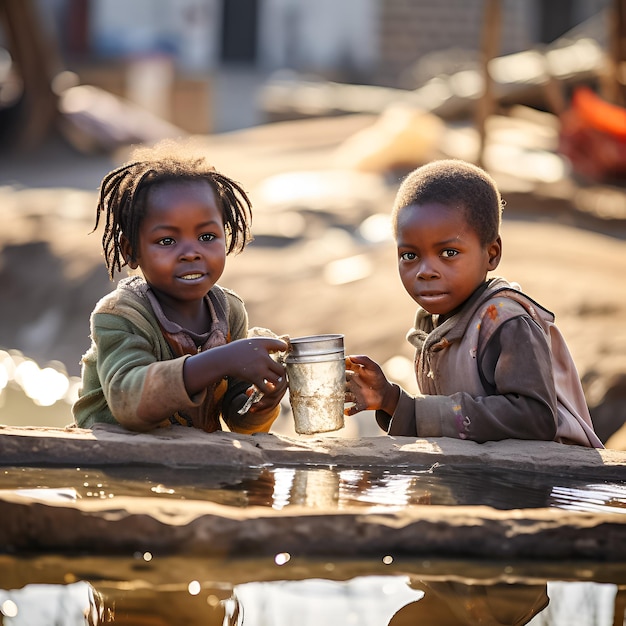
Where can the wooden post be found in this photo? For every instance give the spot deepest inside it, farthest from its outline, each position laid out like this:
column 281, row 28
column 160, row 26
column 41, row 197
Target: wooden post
column 490, row 46
column 616, row 83
column 37, row 61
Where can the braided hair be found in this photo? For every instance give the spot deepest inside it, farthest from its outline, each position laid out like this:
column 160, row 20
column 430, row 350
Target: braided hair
column 124, row 191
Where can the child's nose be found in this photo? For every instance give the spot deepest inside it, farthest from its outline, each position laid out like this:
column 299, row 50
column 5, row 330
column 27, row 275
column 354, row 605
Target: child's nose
column 426, row 270
column 189, row 251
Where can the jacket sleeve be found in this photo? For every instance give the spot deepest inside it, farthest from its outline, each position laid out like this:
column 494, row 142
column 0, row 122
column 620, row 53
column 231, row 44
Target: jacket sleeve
column 519, row 401
column 140, row 389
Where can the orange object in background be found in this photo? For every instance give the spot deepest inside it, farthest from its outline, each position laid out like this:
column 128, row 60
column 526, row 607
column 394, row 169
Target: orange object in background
column 593, row 137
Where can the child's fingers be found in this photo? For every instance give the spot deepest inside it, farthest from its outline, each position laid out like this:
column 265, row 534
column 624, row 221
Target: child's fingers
column 276, row 345
column 351, row 362
column 278, row 369
column 357, row 361
column 353, row 409
column 268, row 344
column 278, row 386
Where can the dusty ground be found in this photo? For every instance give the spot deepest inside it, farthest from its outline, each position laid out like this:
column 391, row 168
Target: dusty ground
column 311, row 270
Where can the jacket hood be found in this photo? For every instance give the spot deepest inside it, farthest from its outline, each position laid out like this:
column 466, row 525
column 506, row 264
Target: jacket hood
column 426, row 326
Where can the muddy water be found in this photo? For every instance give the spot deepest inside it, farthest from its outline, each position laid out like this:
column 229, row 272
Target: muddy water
column 338, row 488
column 287, row 589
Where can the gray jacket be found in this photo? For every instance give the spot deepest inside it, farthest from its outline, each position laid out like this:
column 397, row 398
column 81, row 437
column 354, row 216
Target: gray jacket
column 497, row 369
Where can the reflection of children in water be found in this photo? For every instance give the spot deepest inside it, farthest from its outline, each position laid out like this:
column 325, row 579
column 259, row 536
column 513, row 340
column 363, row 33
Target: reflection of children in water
column 114, row 604
column 448, row 603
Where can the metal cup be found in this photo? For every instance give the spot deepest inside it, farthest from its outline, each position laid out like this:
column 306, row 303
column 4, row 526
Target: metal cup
column 317, row 379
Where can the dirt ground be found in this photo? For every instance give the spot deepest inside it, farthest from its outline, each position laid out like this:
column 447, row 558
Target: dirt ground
column 314, row 267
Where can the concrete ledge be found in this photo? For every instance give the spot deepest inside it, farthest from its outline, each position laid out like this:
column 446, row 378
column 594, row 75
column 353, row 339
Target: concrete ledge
column 129, row 525
column 186, row 447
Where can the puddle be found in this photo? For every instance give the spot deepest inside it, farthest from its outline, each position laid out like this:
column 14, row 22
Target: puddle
column 321, row 487
column 293, row 590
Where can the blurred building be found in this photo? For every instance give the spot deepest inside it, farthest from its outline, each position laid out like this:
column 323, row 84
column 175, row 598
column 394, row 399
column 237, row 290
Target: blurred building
column 369, row 40
column 167, row 54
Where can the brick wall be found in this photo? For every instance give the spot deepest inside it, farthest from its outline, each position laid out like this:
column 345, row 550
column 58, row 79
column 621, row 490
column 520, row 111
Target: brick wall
column 410, row 29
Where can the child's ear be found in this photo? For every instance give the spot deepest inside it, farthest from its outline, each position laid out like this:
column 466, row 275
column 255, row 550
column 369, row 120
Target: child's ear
column 495, row 254
column 127, row 252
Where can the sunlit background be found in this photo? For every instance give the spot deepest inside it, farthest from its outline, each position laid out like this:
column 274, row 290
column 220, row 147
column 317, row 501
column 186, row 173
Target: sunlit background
column 319, row 107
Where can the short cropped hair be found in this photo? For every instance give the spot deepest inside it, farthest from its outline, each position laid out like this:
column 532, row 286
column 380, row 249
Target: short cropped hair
column 455, row 184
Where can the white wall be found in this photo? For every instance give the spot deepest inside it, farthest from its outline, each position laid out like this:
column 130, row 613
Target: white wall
column 186, row 29
column 318, row 36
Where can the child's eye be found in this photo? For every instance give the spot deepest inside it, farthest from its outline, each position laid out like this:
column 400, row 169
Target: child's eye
column 448, row 254
column 408, row 256
column 207, row 237
column 166, row 241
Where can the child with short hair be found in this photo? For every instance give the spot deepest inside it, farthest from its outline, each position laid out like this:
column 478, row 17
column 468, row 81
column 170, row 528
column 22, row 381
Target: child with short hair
column 490, row 362
column 171, row 345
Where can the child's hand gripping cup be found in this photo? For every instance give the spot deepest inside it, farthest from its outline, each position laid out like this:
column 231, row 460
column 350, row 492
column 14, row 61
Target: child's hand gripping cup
column 317, row 379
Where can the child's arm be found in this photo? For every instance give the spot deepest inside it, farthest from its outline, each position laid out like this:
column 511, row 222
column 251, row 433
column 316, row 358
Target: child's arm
column 245, row 359
column 517, row 399
column 263, row 413
column 367, row 386
column 142, row 386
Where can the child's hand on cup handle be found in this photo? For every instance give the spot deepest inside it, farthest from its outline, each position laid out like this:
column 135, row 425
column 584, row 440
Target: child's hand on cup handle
column 263, row 400
column 251, row 360
column 367, row 387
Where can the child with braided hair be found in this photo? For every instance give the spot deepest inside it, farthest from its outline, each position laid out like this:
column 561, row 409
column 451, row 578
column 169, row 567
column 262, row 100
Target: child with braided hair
column 171, row 345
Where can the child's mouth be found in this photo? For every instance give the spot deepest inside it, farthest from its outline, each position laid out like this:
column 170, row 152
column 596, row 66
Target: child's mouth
column 432, row 297
column 191, row 276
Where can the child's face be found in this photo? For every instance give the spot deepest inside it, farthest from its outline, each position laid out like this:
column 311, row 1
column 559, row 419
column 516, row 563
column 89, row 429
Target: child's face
column 440, row 258
column 182, row 245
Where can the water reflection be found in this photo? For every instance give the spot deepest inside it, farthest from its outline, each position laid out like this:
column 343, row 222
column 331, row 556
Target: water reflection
column 195, row 605
column 288, row 590
column 321, row 487
column 373, row 600
column 450, row 603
